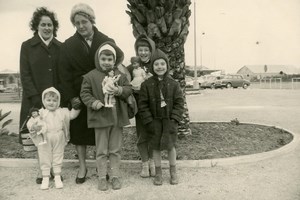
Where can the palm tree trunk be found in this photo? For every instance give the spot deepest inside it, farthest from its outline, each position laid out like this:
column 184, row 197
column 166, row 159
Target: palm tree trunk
column 166, row 23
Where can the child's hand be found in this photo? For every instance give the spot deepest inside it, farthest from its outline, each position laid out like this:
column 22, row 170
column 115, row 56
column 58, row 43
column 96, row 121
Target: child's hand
column 76, row 103
column 112, row 89
column 97, row 105
column 35, row 127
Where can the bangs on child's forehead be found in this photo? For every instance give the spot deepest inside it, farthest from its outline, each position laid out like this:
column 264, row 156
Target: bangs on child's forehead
column 107, row 52
column 51, row 94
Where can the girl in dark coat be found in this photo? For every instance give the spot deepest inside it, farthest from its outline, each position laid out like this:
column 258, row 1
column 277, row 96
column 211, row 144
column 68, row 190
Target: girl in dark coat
column 38, row 64
column 161, row 107
column 144, row 47
column 77, row 59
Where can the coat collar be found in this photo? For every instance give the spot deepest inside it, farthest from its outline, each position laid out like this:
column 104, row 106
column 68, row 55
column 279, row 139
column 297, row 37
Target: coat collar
column 37, row 40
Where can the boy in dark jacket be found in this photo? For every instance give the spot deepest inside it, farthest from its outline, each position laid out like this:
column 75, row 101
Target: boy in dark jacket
column 161, row 106
column 108, row 122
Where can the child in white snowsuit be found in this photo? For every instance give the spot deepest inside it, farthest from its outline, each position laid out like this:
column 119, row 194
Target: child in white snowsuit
column 57, row 135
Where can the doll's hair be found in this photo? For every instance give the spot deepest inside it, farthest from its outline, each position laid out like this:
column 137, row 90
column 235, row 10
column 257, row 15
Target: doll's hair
column 33, row 110
column 135, row 59
column 37, row 16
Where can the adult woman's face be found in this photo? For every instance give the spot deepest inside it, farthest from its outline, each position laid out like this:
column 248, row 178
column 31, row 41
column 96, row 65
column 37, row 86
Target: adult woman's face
column 45, row 27
column 83, row 25
column 144, row 53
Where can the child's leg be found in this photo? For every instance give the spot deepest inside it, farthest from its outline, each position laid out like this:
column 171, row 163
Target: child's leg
column 115, row 144
column 172, row 162
column 114, row 148
column 172, row 156
column 45, row 159
column 142, row 144
column 101, row 139
column 157, row 161
column 58, row 143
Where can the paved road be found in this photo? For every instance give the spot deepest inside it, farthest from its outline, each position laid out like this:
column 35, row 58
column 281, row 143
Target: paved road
column 277, row 178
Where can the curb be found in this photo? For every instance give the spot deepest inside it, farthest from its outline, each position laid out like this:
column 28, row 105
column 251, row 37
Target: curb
column 19, row 163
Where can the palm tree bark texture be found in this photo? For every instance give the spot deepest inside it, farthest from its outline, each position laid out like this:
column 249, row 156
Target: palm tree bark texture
column 166, row 22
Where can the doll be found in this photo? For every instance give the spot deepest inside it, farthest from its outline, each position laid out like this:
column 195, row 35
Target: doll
column 109, row 81
column 139, row 75
column 38, row 128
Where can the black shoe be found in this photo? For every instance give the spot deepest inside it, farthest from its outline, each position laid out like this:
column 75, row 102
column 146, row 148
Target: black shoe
column 38, row 180
column 81, row 180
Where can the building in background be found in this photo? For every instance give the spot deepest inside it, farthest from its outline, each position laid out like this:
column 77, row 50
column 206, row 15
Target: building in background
column 9, row 79
column 258, row 72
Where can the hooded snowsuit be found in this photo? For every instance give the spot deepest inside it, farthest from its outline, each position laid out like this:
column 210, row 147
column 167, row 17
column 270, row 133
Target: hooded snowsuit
column 58, row 123
column 161, row 121
column 108, row 122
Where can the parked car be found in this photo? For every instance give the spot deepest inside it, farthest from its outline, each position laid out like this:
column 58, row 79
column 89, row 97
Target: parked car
column 233, row 81
column 210, row 82
column 189, row 81
column 2, row 88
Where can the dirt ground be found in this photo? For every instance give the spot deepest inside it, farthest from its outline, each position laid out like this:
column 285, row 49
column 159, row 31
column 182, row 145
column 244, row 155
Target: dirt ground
column 277, row 178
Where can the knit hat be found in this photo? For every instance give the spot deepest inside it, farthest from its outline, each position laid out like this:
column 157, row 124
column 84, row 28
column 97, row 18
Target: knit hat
column 159, row 54
column 107, row 47
column 143, row 43
column 83, row 9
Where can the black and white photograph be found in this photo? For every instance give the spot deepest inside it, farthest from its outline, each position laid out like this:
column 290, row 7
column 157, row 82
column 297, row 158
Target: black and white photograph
column 150, row 99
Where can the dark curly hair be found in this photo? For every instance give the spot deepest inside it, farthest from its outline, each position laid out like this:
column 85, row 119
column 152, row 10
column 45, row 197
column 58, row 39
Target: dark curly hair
column 37, row 16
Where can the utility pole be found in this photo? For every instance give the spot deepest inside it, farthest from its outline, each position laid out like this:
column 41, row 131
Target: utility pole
column 195, row 84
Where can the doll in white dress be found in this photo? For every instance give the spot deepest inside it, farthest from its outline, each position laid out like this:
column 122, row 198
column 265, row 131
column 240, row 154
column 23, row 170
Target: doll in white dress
column 38, row 128
column 139, row 74
column 108, row 81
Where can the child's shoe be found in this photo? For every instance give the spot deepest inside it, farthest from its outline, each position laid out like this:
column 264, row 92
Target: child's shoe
column 102, row 184
column 116, row 184
column 58, row 182
column 45, row 183
column 145, row 170
column 173, row 174
column 152, row 167
column 158, row 176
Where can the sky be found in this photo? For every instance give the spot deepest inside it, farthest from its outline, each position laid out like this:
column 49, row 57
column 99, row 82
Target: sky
column 229, row 33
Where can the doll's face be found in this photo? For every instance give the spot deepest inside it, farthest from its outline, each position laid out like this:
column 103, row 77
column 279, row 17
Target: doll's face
column 111, row 73
column 160, row 67
column 135, row 65
column 35, row 114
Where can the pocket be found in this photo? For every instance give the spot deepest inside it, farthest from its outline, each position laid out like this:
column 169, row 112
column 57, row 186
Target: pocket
column 173, row 127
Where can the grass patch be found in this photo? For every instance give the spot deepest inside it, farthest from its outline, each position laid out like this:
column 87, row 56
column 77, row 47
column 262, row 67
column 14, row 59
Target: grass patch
column 208, row 141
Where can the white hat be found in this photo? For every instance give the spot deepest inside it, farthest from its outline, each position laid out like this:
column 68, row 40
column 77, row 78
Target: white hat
column 83, row 9
column 107, row 47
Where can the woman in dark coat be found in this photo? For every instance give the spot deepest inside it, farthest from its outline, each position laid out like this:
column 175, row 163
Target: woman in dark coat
column 77, row 59
column 38, row 63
